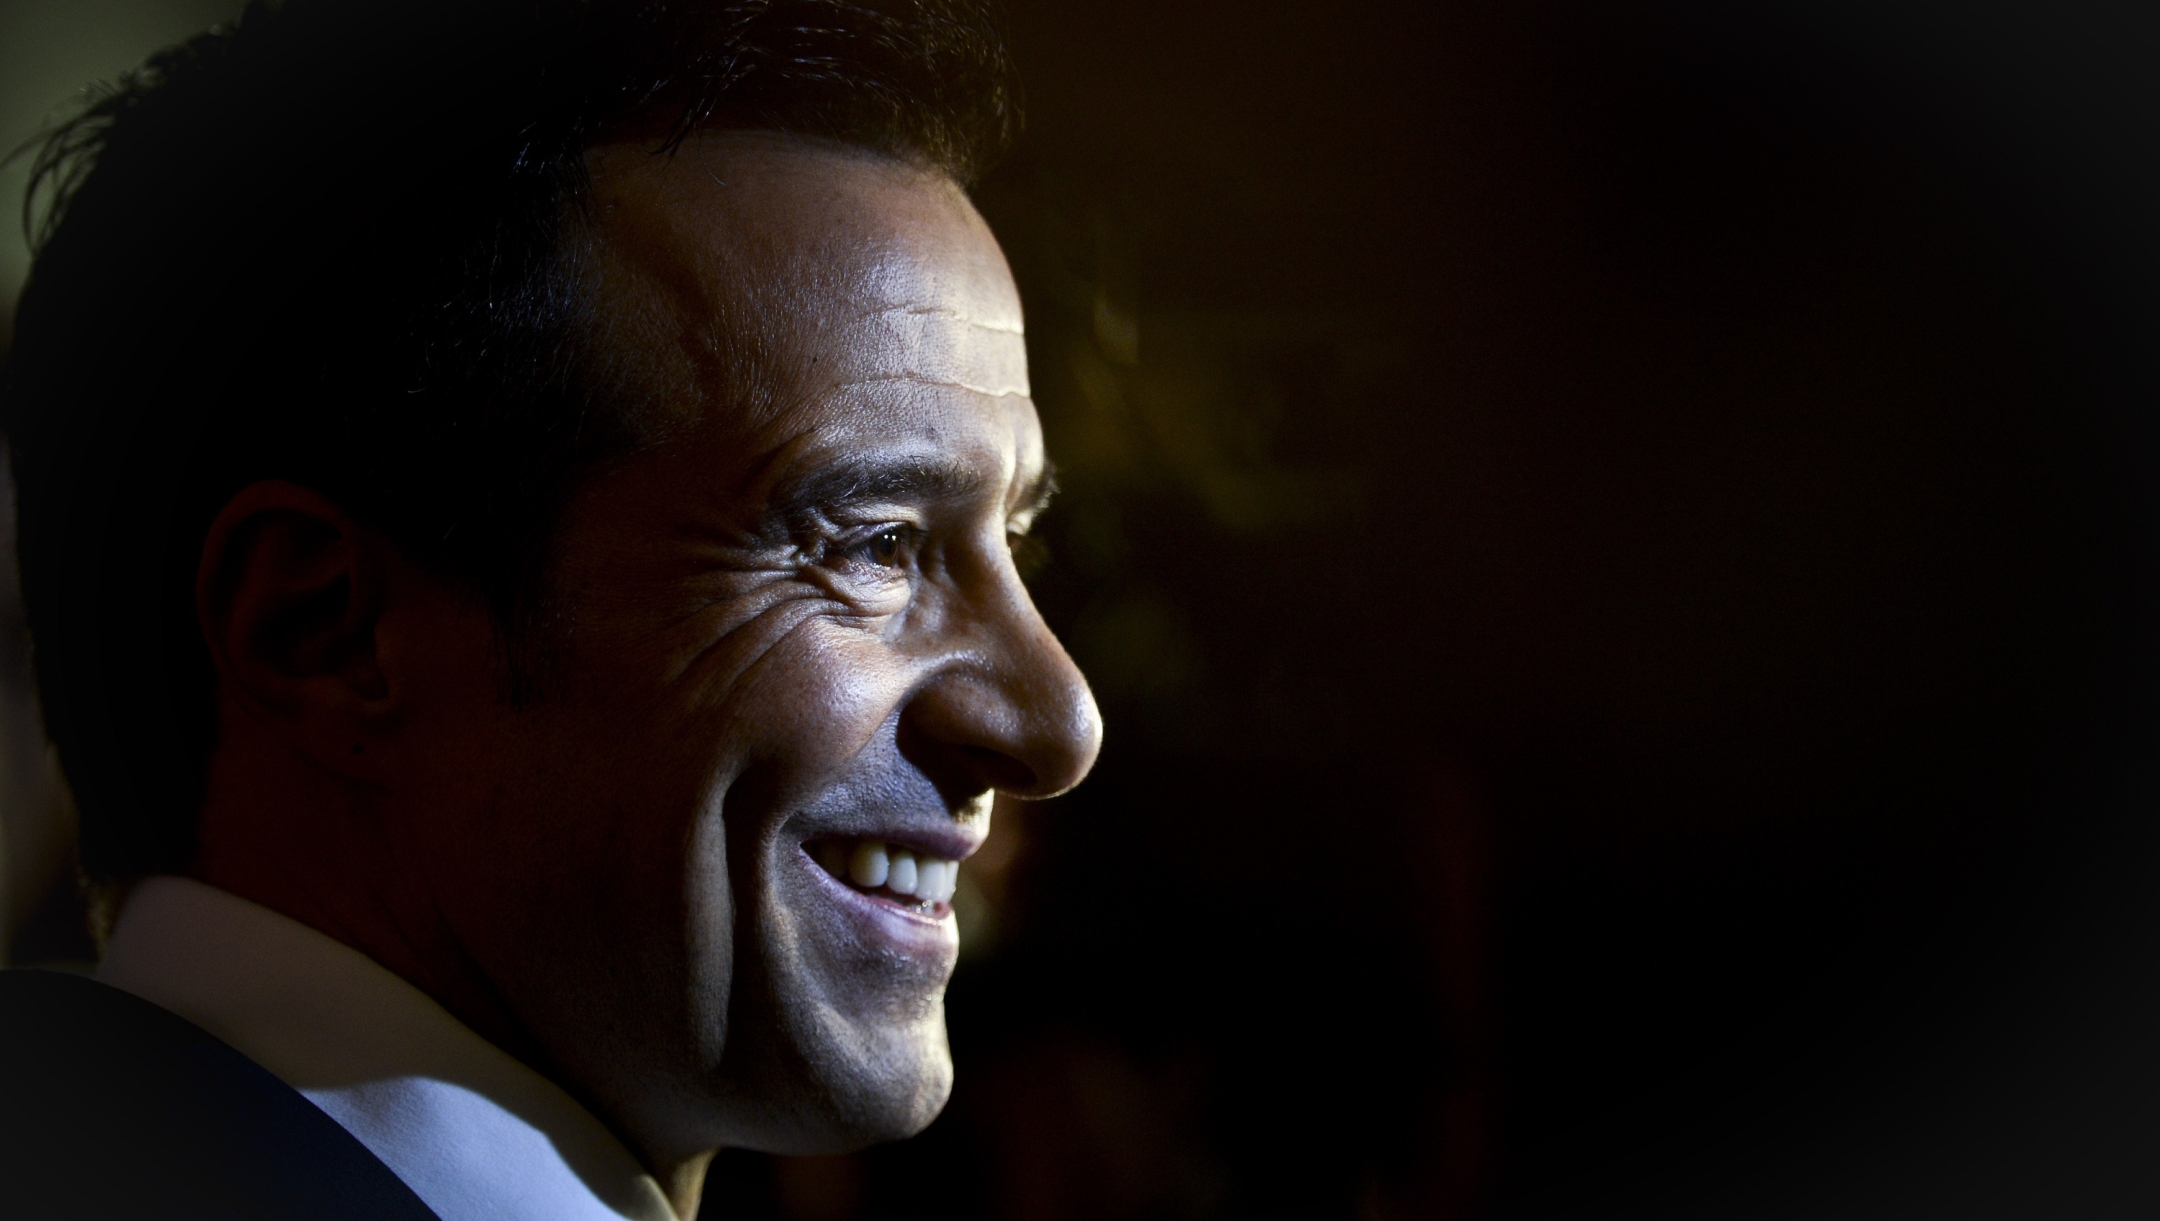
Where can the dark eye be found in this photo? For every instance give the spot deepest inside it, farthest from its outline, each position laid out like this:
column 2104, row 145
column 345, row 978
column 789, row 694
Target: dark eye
column 885, row 548
column 1029, row 554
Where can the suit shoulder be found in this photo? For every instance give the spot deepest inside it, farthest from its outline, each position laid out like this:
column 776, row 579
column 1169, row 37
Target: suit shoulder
column 111, row 1106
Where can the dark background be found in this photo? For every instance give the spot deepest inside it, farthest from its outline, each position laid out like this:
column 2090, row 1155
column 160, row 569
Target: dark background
column 1614, row 543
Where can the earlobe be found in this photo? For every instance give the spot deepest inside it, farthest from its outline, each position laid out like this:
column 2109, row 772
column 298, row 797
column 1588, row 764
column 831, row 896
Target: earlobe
column 289, row 594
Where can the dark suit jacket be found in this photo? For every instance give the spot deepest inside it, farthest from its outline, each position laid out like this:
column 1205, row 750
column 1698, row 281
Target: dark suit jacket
column 111, row 1107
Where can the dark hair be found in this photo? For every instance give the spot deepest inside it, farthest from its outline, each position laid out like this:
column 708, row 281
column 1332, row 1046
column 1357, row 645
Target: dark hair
column 337, row 243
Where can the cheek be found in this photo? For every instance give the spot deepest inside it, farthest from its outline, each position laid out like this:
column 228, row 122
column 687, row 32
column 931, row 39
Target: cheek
column 813, row 704
column 760, row 666
column 624, row 786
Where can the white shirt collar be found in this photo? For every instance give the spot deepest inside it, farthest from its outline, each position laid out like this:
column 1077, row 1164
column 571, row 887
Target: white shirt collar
column 475, row 1133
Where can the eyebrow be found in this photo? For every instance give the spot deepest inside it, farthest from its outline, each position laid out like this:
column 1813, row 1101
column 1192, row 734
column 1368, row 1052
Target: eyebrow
column 876, row 479
column 1036, row 493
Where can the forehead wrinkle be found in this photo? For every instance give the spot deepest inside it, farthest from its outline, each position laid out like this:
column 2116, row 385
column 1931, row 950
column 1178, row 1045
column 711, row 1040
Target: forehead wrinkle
column 925, row 379
column 760, row 310
column 941, row 311
column 931, row 343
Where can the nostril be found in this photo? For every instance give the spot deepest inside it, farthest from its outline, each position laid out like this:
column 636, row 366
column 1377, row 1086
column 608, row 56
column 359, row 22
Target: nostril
column 1001, row 771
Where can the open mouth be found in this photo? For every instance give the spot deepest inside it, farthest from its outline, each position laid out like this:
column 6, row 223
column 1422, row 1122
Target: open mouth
column 888, row 871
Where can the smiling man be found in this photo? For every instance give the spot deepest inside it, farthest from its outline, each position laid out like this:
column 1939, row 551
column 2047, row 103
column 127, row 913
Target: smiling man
column 517, row 515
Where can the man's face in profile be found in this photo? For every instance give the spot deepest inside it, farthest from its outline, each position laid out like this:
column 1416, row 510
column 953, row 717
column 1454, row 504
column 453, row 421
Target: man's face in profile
column 791, row 641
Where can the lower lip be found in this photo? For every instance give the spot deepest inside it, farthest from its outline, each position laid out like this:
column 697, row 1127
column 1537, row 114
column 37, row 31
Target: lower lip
column 907, row 929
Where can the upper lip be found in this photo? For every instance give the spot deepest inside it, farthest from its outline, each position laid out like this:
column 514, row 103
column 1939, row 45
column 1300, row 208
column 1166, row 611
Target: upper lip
column 951, row 840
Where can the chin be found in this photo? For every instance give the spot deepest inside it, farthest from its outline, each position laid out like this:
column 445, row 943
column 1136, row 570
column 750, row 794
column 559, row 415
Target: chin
column 893, row 1106
column 849, row 1092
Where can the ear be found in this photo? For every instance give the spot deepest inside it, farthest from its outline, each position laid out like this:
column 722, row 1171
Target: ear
column 289, row 596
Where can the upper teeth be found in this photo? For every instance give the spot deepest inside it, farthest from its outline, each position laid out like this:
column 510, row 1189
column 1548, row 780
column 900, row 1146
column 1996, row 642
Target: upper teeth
column 872, row 864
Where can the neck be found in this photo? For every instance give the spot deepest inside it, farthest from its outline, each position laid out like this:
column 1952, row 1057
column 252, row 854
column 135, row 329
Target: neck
column 323, row 849
column 322, row 858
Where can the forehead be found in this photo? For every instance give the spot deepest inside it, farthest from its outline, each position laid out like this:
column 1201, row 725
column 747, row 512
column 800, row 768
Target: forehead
column 797, row 284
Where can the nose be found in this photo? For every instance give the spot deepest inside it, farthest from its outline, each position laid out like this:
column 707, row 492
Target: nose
column 1006, row 708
